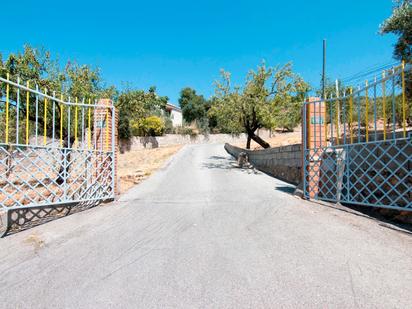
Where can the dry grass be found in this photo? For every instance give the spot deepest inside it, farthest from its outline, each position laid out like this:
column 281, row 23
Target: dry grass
column 277, row 139
column 135, row 166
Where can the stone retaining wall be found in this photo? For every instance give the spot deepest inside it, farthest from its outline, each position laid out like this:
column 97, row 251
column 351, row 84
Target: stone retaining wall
column 281, row 162
column 136, row 143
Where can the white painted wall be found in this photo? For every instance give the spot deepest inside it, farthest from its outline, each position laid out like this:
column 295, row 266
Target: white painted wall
column 176, row 117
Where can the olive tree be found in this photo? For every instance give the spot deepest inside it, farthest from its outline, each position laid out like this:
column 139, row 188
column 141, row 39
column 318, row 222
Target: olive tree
column 271, row 97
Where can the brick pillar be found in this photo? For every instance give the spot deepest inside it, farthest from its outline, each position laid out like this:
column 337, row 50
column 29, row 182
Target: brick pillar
column 315, row 141
column 102, row 134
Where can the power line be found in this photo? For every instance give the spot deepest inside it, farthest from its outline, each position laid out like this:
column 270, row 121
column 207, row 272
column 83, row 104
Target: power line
column 374, row 69
column 370, row 69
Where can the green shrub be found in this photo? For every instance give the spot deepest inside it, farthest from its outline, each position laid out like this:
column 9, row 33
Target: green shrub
column 149, row 126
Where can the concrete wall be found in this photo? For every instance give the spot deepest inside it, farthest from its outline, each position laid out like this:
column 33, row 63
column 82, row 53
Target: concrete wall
column 281, row 162
column 136, row 143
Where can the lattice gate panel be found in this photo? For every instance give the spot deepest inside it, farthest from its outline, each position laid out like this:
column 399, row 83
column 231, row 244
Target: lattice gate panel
column 374, row 174
column 35, row 176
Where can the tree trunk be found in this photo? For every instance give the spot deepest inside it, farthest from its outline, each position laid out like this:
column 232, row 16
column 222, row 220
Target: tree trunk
column 248, row 142
column 66, row 157
column 258, row 140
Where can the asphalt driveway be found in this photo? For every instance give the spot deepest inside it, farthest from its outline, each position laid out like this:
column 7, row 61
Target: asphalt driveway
column 201, row 233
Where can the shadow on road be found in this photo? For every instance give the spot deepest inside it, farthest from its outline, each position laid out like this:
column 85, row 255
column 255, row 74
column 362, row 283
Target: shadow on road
column 371, row 213
column 286, row 189
column 218, row 158
column 388, row 219
column 227, row 163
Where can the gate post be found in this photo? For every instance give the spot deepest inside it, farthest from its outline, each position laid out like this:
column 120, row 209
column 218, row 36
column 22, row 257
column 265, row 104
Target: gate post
column 314, row 143
column 107, row 140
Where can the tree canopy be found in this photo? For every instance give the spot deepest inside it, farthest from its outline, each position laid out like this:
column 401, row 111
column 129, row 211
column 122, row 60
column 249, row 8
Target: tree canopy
column 38, row 67
column 270, row 98
column 193, row 105
column 400, row 24
column 135, row 105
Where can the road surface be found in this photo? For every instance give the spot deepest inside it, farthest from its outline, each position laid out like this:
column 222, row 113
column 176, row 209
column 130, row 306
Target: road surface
column 201, row 233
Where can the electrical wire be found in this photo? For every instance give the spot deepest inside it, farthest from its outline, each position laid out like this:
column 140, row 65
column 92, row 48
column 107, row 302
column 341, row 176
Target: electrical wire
column 354, row 78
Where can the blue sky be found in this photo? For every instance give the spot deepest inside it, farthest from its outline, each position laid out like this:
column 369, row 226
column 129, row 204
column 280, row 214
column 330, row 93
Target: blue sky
column 174, row 44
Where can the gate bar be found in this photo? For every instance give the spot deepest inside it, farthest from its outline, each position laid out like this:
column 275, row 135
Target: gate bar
column 68, row 125
column 375, row 111
column 54, row 116
column 393, row 106
column 331, row 119
column 45, row 119
column 27, row 112
column 351, row 114
column 403, row 99
column 384, row 104
column 359, row 113
column 37, row 112
column 366, row 112
column 61, row 121
column 7, row 108
column 337, row 106
column 304, row 149
column 18, row 111
column 113, row 150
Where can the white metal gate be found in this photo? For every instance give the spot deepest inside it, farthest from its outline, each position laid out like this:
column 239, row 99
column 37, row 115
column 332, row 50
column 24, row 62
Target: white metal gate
column 53, row 151
column 362, row 154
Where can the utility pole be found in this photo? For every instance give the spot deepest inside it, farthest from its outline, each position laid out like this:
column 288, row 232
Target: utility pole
column 324, row 70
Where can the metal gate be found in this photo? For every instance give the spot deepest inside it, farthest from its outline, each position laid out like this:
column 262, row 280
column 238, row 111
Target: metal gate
column 53, row 152
column 358, row 147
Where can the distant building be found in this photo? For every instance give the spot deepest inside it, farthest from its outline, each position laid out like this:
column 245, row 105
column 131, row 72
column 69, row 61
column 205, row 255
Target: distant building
column 175, row 114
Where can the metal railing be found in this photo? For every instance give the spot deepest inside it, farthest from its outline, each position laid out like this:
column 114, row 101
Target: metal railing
column 53, row 151
column 28, row 112
column 374, row 111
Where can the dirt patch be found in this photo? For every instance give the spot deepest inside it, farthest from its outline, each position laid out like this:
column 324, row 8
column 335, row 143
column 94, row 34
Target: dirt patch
column 135, row 166
column 35, row 241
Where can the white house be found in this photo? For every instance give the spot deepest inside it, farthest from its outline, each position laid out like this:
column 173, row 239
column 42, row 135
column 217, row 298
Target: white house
column 175, row 114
